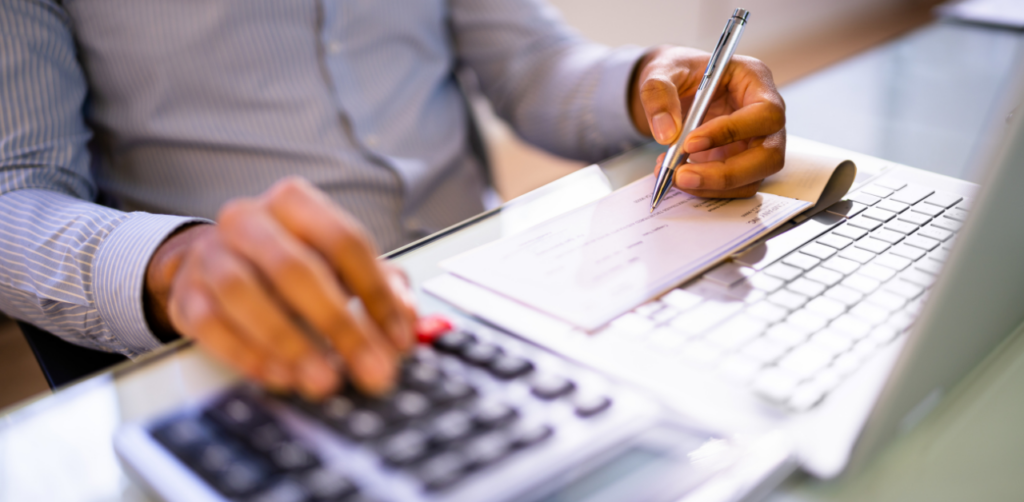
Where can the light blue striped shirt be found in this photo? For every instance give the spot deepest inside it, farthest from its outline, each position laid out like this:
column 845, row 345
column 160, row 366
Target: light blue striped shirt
column 170, row 108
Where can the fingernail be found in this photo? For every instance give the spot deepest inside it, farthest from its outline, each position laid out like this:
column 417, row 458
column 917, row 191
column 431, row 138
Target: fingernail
column 277, row 375
column 317, row 376
column 688, row 179
column 698, row 144
column 374, row 369
column 664, row 127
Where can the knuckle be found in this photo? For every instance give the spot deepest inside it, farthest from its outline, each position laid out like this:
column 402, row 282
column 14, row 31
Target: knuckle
column 287, row 187
column 654, row 88
column 234, row 211
column 288, row 267
column 229, row 281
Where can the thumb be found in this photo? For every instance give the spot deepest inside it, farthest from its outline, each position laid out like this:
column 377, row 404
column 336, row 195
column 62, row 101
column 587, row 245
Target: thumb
column 660, row 100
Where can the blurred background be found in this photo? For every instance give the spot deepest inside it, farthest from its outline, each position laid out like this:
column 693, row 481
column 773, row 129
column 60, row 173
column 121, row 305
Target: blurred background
column 794, row 37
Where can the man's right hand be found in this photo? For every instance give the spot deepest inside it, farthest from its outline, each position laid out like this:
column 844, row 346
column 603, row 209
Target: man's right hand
column 270, row 289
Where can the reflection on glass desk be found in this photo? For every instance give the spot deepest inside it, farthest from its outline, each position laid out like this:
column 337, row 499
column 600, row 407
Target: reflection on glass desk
column 59, row 448
column 920, row 100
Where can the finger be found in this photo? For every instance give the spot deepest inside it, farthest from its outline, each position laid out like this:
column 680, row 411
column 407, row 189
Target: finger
column 314, row 219
column 761, row 159
column 751, row 121
column 719, row 154
column 660, row 99
column 253, row 314
column 307, row 285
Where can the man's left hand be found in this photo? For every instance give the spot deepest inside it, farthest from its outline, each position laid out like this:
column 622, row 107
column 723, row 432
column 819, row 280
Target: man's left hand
column 743, row 137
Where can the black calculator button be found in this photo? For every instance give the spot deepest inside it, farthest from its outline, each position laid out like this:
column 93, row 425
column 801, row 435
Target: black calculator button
column 551, row 386
column 508, row 367
column 336, row 410
column 442, row 470
column 183, row 436
column 292, row 456
column 423, row 376
column 327, row 486
column 241, row 478
column 364, row 424
column 525, row 434
column 481, row 353
column 405, row 447
column 408, row 404
column 214, row 459
column 453, row 342
column 489, row 414
column 452, row 390
column 238, row 413
column 487, row 449
column 286, row 490
column 588, row 405
column 450, row 426
column 265, row 438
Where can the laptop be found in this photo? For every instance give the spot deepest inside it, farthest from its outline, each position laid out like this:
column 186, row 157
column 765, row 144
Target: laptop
column 811, row 350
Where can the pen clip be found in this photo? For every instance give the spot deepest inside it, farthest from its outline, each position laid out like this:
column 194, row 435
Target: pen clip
column 717, row 53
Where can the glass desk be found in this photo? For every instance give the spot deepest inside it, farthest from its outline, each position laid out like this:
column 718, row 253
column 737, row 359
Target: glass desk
column 59, row 447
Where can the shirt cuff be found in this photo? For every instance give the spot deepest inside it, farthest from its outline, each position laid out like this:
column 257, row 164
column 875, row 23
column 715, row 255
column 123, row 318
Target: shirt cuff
column 615, row 124
column 119, row 275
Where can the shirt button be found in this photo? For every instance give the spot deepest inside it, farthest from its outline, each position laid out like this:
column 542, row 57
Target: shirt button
column 334, row 47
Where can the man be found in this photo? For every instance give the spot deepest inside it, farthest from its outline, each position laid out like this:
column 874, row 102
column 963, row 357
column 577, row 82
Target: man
column 306, row 129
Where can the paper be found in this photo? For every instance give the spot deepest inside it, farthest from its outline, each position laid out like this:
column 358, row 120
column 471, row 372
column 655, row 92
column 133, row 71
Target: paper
column 594, row 263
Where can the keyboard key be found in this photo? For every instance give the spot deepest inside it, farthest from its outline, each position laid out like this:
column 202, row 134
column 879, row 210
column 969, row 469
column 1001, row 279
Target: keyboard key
column 730, row 273
column 914, row 218
column 948, row 224
column 805, row 361
column 921, row 242
column 850, row 232
column 835, row 241
column 943, row 200
column 911, row 194
column 869, row 313
column 547, row 386
column 818, row 251
column 870, row 244
column 701, row 352
column 863, row 198
column 765, row 283
column 861, row 283
column 429, row 328
column 886, row 235
column 878, row 214
column 891, row 205
column 905, row 289
column 449, row 427
column 483, row 353
column 832, row 341
column 935, row 233
column 589, row 404
column 526, row 433
column 775, row 384
column 788, row 299
column 666, row 338
column 801, row 261
column 405, row 447
column 632, row 325
column 877, row 272
column 844, row 295
column 902, row 227
column 241, row 478
column 783, row 271
column 877, row 191
column 767, row 311
column 487, row 449
column 940, row 255
column 824, row 276
column 918, row 277
column 851, row 326
column 806, row 287
column 507, row 367
column 884, row 334
column 238, row 413
column 451, row 390
column 184, row 436
column 490, row 413
column 891, row 183
column 286, row 490
column 708, row 315
column 764, row 351
column 665, row 315
column 927, row 209
column 892, row 261
column 908, row 252
column 931, row 266
column 786, row 335
column 846, row 208
column 737, row 331
column 806, row 397
column 826, row 307
column 364, row 424
column 807, row 319
column 886, row 300
column 454, row 341
column 740, row 368
column 681, row 300
column 956, row 214
column 842, row 265
column 858, row 255
column 864, row 223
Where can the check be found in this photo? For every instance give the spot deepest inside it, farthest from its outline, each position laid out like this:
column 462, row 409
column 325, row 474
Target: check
column 594, row 263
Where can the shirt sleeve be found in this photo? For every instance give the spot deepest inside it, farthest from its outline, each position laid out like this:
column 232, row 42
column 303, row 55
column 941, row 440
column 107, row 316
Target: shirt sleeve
column 559, row 91
column 67, row 265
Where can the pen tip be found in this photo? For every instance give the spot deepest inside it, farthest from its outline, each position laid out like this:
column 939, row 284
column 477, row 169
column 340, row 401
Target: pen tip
column 652, row 209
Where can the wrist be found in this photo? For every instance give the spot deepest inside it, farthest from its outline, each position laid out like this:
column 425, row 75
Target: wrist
column 160, row 273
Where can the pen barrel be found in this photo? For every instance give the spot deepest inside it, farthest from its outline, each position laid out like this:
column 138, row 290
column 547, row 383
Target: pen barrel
column 716, row 68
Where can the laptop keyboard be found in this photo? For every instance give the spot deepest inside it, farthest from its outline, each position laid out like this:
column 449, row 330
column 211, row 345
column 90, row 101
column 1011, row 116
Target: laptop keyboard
column 793, row 330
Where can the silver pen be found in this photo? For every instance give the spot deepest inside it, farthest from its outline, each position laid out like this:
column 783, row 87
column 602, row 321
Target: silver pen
column 712, row 74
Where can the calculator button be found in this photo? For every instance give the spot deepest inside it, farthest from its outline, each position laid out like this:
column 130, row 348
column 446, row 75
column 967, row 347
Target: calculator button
column 423, row 376
column 405, row 447
column 588, row 405
column 452, row 390
column 364, row 424
column 489, row 414
column 443, row 470
column 487, row 449
column 551, row 386
column 324, row 485
column 292, row 456
column 183, row 437
column 429, row 328
column 454, row 341
column 450, row 426
column 481, row 353
column 238, row 414
column 525, row 434
column 508, row 367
